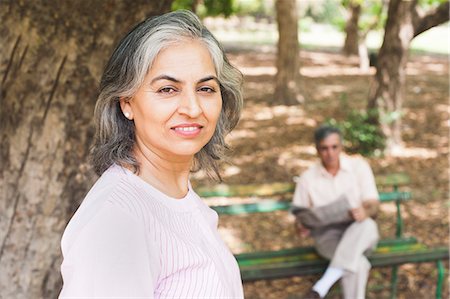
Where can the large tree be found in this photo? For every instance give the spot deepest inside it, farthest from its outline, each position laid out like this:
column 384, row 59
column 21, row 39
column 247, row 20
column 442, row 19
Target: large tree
column 51, row 59
column 363, row 17
column 287, row 77
column 351, row 44
column 405, row 21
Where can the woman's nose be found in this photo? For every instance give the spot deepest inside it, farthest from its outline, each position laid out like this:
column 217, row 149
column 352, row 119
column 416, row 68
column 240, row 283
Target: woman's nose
column 190, row 105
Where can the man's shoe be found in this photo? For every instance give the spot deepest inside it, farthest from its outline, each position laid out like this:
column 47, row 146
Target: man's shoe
column 311, row 295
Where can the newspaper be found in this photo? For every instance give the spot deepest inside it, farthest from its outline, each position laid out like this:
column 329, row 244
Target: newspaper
column 336, row 212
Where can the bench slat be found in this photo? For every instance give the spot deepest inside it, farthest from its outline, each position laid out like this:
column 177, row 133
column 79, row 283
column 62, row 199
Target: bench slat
column 416, row 253
column 309, row 254
column 270, row 189
column 301, row 250
column 270, row 205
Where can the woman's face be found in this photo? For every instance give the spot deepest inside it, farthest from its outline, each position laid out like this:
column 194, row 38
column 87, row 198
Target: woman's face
column 176, row 109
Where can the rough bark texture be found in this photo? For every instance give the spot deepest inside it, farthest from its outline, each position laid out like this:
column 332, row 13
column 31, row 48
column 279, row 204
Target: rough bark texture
column 286, row 81
column 51, row 58
column 351, row 44
column 402, row 25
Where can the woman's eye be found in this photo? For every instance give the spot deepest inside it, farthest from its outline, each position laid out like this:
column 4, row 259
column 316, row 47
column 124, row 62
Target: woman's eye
column 167, row 90
column 207, row 89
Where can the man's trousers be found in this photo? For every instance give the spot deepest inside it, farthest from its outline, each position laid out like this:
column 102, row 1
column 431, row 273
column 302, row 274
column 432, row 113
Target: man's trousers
column 345, row 245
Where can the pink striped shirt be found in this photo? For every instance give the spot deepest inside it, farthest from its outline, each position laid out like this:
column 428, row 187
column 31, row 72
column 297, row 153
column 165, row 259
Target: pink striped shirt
column 129, row 240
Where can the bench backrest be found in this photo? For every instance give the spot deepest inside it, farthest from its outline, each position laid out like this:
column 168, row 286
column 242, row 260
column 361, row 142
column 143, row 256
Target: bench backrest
column 285, row 190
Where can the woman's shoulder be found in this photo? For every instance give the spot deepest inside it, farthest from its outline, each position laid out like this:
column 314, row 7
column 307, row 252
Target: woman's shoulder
column 106, row 185
column 97, row 202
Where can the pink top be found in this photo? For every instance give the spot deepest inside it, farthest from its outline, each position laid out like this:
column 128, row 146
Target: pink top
column 129, row 240
column 317, row 187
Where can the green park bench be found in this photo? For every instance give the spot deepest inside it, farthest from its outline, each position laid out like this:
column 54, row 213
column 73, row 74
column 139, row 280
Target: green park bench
column 304, row 260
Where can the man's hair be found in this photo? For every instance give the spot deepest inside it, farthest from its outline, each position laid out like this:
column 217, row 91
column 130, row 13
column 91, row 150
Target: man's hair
column 324, row 131
column 124, row 73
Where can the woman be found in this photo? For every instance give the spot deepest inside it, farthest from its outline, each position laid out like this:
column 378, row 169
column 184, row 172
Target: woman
column 168, row 97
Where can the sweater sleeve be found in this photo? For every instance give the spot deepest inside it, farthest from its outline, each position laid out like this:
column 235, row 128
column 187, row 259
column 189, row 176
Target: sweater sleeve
column 109, row 257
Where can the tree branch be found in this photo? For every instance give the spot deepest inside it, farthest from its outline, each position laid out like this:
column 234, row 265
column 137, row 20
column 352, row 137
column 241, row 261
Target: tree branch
column 433, row 18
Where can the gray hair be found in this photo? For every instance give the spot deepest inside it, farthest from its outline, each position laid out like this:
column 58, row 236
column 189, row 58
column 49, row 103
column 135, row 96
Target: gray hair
column 125, row 72
column 324, row 131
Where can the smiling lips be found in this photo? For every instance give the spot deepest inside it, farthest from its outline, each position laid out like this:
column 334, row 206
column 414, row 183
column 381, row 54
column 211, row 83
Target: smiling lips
column 187, row 130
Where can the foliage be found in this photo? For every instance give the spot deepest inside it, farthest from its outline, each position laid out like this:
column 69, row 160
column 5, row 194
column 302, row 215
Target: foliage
column 360, row 134
column 224, row 7
column 327, row 11
column 182, row 4
column 373, row 15
column 206, row 7
column 430, row 3
column 218, row 7
column 256, row 8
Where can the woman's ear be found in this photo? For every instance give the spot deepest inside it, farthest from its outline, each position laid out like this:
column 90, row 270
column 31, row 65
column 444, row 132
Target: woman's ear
column 126, row 108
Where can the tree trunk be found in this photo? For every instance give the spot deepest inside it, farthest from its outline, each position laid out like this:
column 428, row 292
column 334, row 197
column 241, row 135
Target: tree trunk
column 194, row 5
column 351, row 44
column 402, row 25
column 364, row 62
column 287, row 77
column 51, row 60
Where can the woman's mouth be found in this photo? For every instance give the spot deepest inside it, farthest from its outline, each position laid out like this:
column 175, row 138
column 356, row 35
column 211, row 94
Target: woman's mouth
column 187, row 130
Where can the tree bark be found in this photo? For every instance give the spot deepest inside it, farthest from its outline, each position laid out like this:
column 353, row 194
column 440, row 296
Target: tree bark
column 51, row 60
column 402, row 25
column 351, row 44
column 287, row 77
column 433, row 18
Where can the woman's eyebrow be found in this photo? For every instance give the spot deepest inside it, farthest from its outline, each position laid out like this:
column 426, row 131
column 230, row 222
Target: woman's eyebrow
column 170, row 78
column 165, row 77
column 209, row 78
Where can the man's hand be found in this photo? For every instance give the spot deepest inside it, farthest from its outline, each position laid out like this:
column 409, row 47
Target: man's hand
column 301, row 230
column 369, row 208
column 359, row 214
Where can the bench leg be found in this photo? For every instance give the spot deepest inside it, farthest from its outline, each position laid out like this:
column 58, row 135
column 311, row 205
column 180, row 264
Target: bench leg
column 441, row 272
column 394, row 279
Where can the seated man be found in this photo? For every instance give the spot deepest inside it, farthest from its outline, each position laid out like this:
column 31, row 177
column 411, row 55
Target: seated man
column 334, row 178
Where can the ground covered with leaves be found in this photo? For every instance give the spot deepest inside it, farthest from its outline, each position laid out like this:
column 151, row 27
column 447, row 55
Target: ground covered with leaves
column 273, row 143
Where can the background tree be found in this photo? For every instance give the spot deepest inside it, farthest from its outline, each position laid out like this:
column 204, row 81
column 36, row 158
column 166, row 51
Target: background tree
column 51, row 59
column 364, row 16
column 406, row 20
column 286, row 80
column 351, row 27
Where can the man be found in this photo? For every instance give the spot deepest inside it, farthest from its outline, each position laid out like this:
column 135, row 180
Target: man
column 350, row 180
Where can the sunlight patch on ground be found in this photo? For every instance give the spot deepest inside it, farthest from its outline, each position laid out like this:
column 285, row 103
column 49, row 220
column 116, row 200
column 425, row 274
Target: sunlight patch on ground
column 256, row 86
column 442, row 108
column 198, row 175
column 334, row 70
column 301, row 120
column 414, row 115
column 290, row 158
column 239, row 134
column 243, row 159
column 280, row 110
column 259, row 113
column 414, row 152
column 325, row 58
column 425, row 212
column 258, row 71
column 388, row 208
column 417, row 69
column 231, row 170
column 327, row 91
